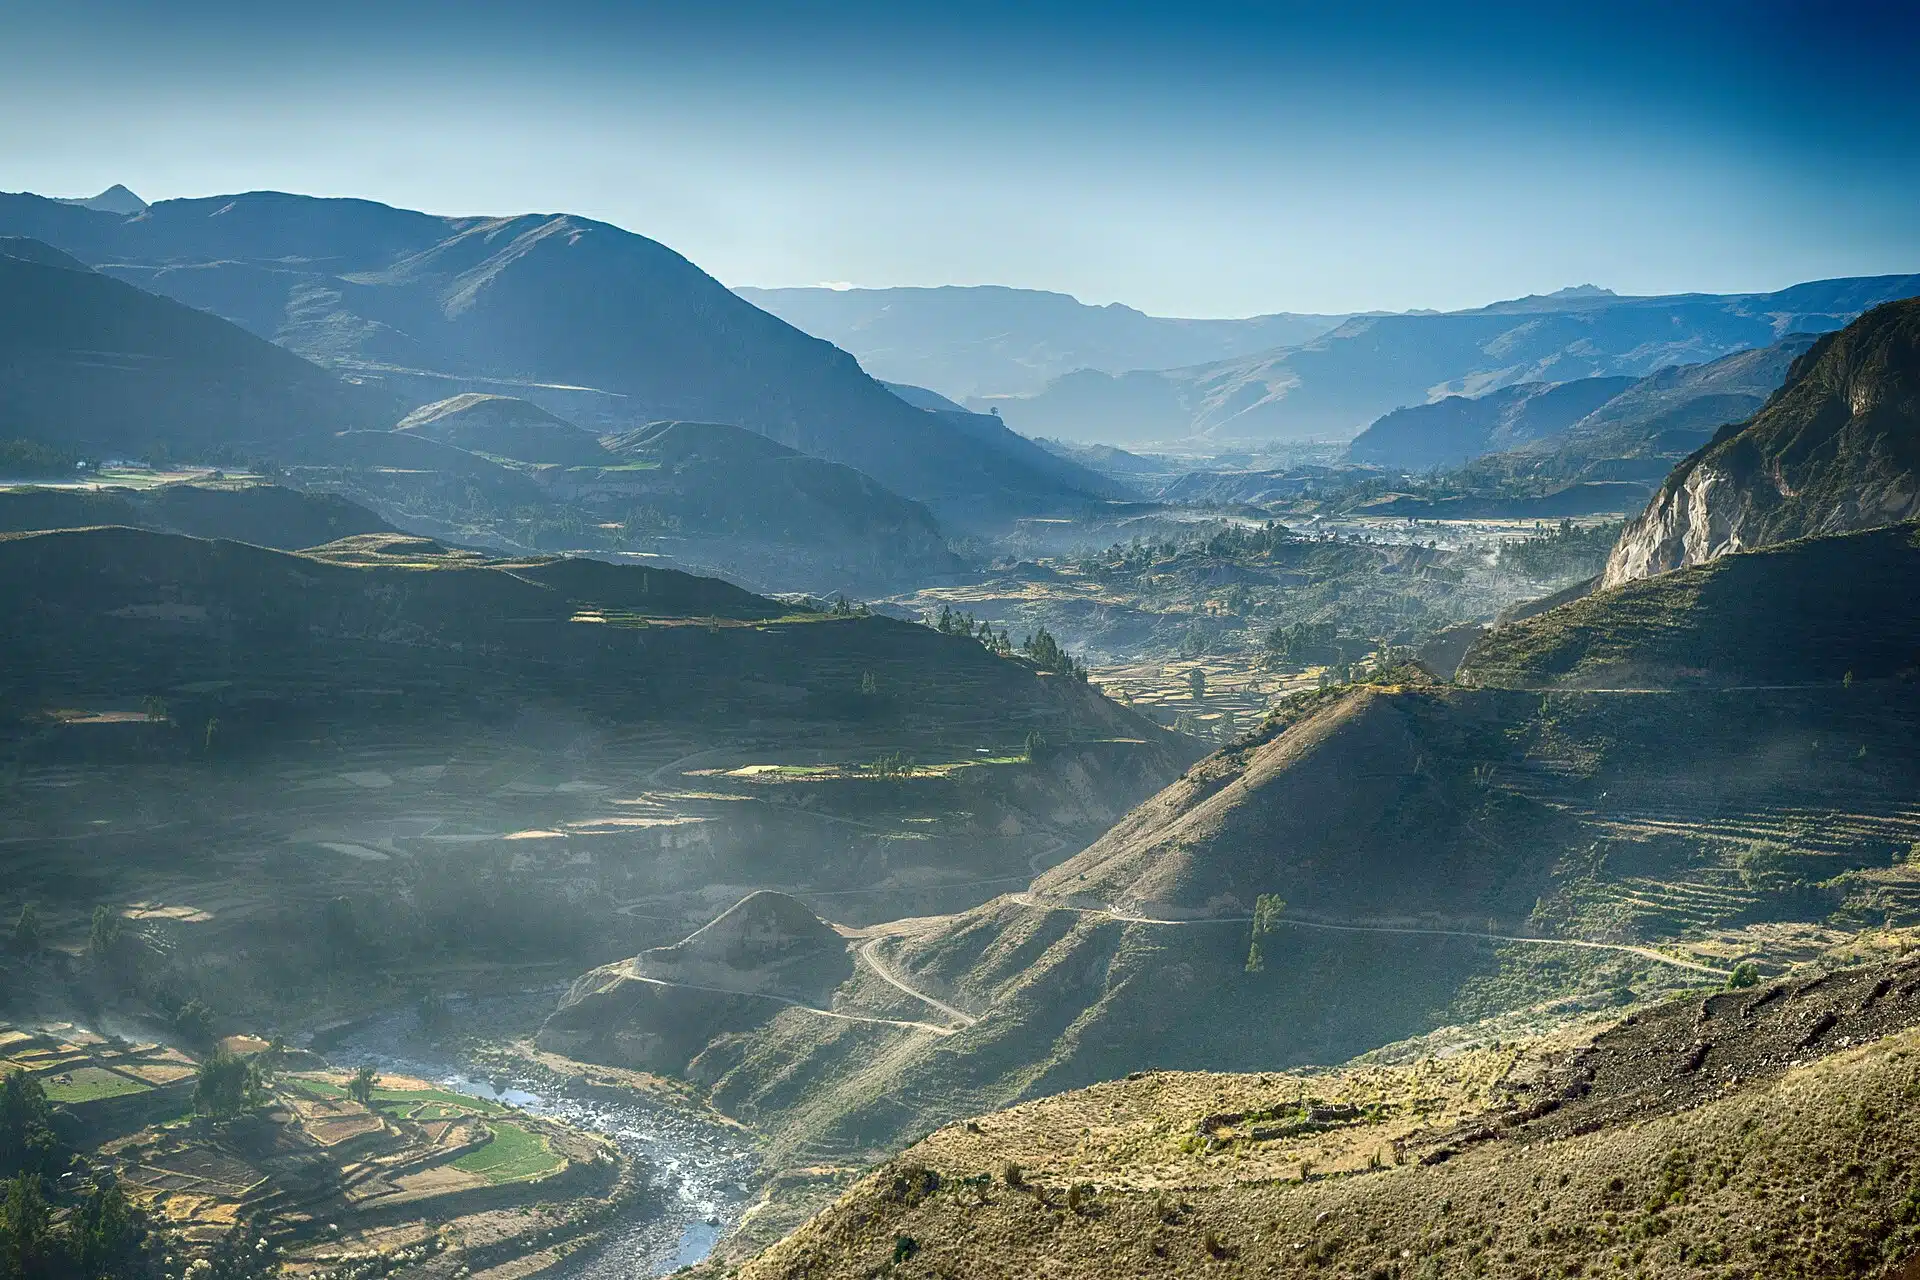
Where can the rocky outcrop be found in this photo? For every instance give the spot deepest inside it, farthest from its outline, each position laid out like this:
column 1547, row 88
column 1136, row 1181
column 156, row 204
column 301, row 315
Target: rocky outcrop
column 1836, row 449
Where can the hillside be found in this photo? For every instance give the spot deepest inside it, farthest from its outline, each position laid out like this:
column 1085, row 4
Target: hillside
column 1750, row 1133
column 1334, row 385
column 988, row 340
column 1452, row 430
column 1836, row 448
column 96, row 366
column 483, row 760
column 729, row 501
column 1439, row 856
column 1717, row 624
column 265, row 515
column 506, row 427
column 1670, row 413
column 608, row 329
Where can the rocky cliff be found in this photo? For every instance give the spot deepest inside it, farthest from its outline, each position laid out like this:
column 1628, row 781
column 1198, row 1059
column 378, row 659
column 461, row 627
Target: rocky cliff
column 1836, row 449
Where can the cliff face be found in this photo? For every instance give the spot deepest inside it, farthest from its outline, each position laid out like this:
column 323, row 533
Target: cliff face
column 1836, row 449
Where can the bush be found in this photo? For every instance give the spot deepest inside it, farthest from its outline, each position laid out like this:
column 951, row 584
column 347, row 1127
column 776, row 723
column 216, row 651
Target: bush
column 1745, row 974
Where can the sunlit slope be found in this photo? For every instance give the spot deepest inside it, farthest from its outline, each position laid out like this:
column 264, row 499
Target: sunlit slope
column 1754, row 1133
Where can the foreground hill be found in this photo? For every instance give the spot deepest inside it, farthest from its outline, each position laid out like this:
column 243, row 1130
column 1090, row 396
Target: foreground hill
column 93, row 365
column 1750, row 1133
column 605, row 327
column 1838, row 447
column 1339, row 382
column 988, row 340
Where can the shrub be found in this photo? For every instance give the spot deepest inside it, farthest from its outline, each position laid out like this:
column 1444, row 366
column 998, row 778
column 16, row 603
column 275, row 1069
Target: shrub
column 1745, row 974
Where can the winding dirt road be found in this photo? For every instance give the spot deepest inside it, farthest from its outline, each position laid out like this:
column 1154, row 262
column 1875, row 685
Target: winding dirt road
column 893, row 979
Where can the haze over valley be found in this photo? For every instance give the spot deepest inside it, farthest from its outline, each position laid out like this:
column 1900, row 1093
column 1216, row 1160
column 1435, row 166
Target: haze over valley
column 1235, row 647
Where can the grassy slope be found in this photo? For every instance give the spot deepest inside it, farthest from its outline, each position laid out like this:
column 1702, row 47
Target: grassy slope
column 1811, row 610
column 1628, row 1158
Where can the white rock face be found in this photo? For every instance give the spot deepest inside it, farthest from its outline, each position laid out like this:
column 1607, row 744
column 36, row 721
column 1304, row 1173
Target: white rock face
column 1700, row 519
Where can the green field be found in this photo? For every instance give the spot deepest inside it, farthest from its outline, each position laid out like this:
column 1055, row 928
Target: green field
column 90, row 1084
column 514, row 1155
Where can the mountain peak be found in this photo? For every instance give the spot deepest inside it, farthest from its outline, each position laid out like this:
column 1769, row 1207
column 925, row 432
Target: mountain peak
column 115, row 199
column 1583, row 291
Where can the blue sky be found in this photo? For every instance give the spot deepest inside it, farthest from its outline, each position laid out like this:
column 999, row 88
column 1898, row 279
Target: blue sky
column 1193, row 159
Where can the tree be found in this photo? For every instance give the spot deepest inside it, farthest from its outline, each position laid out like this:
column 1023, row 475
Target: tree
column 26, row 929
column 105, row 936
column 193, row 1023
column 1266, row 913
column 1197, row 683
column 27, row 1141
column 360, row 1088
column 227, row 1085
column 1745, row 974
column 1037, row 747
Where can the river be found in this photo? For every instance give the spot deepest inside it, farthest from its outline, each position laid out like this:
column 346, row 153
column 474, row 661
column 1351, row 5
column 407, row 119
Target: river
column 705, row 1170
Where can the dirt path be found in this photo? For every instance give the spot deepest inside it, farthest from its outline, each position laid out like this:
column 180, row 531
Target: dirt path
column 930, row 1027
column 1648, row 953
column 888, row 976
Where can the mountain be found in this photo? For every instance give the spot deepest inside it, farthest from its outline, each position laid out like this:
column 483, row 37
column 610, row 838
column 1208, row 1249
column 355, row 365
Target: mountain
column 989, row 340
column 506, row 427
column 1641, row 432
column 921, row 398
column 265, row 515
column 734, row 502
column 1392, row 858
column 1837, row 447
column 603, row 327
column 115, row 199
column 94, row 365
column 1337, row 383
column 1452, row 430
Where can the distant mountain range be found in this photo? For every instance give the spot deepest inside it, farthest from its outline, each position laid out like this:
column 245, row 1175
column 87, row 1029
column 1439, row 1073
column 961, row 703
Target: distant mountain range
column 1334, row 385
column 990, row 340
column 607, row 328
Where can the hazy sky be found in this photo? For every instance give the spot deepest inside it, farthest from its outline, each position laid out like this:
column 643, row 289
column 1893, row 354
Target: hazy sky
column 1186, row 159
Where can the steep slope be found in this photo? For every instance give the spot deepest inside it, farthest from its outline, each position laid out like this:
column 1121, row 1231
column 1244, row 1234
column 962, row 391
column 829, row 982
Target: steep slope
column 506, row 427
column 95, row 365
column 1838, row 447
column 1337, row 383
column 265, row 515
column 605, row 327
column 1450, row 431
column 987, row 340
column 1744, row 1134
